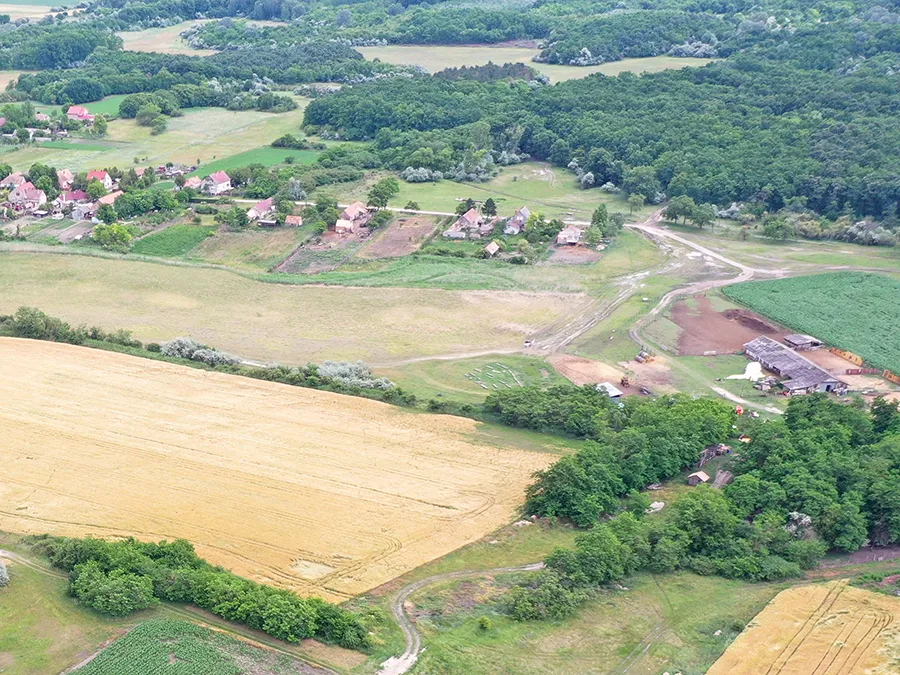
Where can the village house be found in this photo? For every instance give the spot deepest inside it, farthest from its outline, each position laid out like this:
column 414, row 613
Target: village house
column 216, row 183
column 64, row 179
column 70, row 198
column 516, row 224
column 698, row 477
column 344, row 226
column 42, row 117
column 357, row 213
column 13, row 180
column 569, row 236
column 194, row 182
column 293, row 221
column 261, row 209
column 471, row 223
column 26, row 197
column 80, row 114
column 104, row 178
column 803, row 376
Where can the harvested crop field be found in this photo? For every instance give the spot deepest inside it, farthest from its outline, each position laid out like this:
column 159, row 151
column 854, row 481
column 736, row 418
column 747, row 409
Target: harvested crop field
column 404, row 236
column 326, row 494
column 818, row 629
column 276, row 322
column 707, row 331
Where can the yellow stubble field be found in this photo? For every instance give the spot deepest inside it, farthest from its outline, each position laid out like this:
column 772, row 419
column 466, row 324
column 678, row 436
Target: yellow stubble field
column 821, row 629
column 326, row 494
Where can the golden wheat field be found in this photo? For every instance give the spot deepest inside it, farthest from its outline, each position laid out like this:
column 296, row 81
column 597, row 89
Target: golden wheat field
column 821, row 629
column 319, row 492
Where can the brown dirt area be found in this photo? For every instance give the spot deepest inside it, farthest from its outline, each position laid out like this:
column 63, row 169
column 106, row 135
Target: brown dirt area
column 260, row 476
column 655, row 375
column 818, row 628
column 402, row 237
column 837, row 365
column 705, row 331
column 574, row 255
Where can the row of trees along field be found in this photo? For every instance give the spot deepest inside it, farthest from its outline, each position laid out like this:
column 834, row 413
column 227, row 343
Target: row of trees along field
column 118, row 578
column 824, row 477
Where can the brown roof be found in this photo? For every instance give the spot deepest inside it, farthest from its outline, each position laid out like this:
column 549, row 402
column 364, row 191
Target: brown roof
column 110, row 198
column 294, row 220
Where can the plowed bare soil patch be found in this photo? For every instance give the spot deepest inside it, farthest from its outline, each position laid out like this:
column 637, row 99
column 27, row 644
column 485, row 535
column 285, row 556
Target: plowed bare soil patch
column 817, row 629
column 323, row 493
column 402, row 237
column 706, row 331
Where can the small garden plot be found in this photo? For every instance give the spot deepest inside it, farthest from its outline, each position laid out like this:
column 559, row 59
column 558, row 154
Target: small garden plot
column 324, row 253
column 172, row 242
column 259, row 248
column 404, row 236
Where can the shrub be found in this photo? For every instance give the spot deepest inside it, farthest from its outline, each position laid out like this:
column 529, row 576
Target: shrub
column 485, row 624
column 32, row 323
column 154, row 347
column 353, row 374
column 116, row 593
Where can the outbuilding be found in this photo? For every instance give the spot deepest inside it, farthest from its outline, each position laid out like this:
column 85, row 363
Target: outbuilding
column 698, row 477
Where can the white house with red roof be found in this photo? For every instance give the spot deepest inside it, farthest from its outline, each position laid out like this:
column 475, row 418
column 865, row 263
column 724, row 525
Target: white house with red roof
column 13, row 180
column 70, row 198
column 216, row 183
column 80, row 114
column 26, row 197
column 261, row 209
column 102, row 176
column 469, row 222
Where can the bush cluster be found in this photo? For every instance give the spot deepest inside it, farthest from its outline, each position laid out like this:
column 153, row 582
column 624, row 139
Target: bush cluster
column 187, row 348
column 121, row 577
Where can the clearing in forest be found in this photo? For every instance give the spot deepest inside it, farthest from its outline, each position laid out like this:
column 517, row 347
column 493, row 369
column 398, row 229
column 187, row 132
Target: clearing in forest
column 818, row 629
column 326, row 494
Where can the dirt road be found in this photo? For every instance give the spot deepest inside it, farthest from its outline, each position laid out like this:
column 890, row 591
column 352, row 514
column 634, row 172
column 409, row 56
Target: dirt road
column 397, row 665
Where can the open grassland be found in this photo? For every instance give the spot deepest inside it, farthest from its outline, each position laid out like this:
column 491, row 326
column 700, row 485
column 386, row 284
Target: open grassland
column 42, row 630
column 173, row 241
column 856, row 312
column 168, row 646
column 162, row 40
column 659, row 624
column 827, row 628
column 205, row 134
column 439, row 57
column 267, row 156
column 318, row 492
column 471, row 380
column 275, row 322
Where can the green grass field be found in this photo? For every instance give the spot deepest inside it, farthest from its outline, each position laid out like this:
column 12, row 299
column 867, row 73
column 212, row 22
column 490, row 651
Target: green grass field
column 274, row 322
column 204, row 134
column 250, row 248
column 439, row 57
column 172, row 242
column 107, row 106
column 267, row 156
column 851, row 310
column 182, row 648
column 461, row 380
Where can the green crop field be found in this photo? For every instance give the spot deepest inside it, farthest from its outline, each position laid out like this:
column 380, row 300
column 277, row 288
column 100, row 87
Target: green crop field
column 439, row 57
column 182, row 648
column 267, row 156
column 851, row 310
column 172, row 242
column 107, row 106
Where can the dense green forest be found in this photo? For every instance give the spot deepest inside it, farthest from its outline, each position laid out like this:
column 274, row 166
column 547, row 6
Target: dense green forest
column 824, row 477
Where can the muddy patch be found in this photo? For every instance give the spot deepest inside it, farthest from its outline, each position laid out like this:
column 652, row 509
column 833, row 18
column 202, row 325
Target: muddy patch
column 706, row 332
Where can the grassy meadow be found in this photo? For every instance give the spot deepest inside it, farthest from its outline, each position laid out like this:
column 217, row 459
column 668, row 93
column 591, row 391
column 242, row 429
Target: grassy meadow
column 267, row 156
column 439, row 57
column 205, row 134
column 172, row 242
column 163, row 40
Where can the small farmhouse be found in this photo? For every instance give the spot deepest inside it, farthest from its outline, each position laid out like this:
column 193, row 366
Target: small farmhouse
column 26, row 197
column 80, row 114
column 13, row 180
column 64, row 178
column 261, row 209
column 293, row 221
column 216, row 183
column 516, row 224
column 698, row 477
column 104, row 178
column 69, row 198
column 357, row 213
column 471, row 223
column 569, row 236
column 803, row 376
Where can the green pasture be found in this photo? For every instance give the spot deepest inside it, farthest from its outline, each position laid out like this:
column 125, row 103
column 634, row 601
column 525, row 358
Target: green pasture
column 172, row 242
column 267, row 156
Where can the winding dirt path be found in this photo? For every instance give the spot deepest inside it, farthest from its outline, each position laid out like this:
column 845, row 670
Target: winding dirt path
column 397, row 665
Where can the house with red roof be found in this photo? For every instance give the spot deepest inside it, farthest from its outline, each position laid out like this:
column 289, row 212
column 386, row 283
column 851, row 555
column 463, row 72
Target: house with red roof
column 13, row 180
column 110, row 198
column 64, row 178
column 80, row 113
column 26, row 197
column 216, row 183
column 102, row 176
column 69, row 198
column 261, row 209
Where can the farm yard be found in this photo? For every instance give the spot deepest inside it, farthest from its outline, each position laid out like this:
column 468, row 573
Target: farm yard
column 854, row 311
column 817, row 629
column 322, row 493
column 276, row 322
column 439, row 57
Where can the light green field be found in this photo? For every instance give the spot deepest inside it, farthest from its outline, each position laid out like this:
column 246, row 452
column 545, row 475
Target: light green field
column 163, row 40
column 106, row 106
column 173, row 241
column 439, row 57
column 206, row 134
column 461, row 380
column 267, row 156
column 272, row 322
